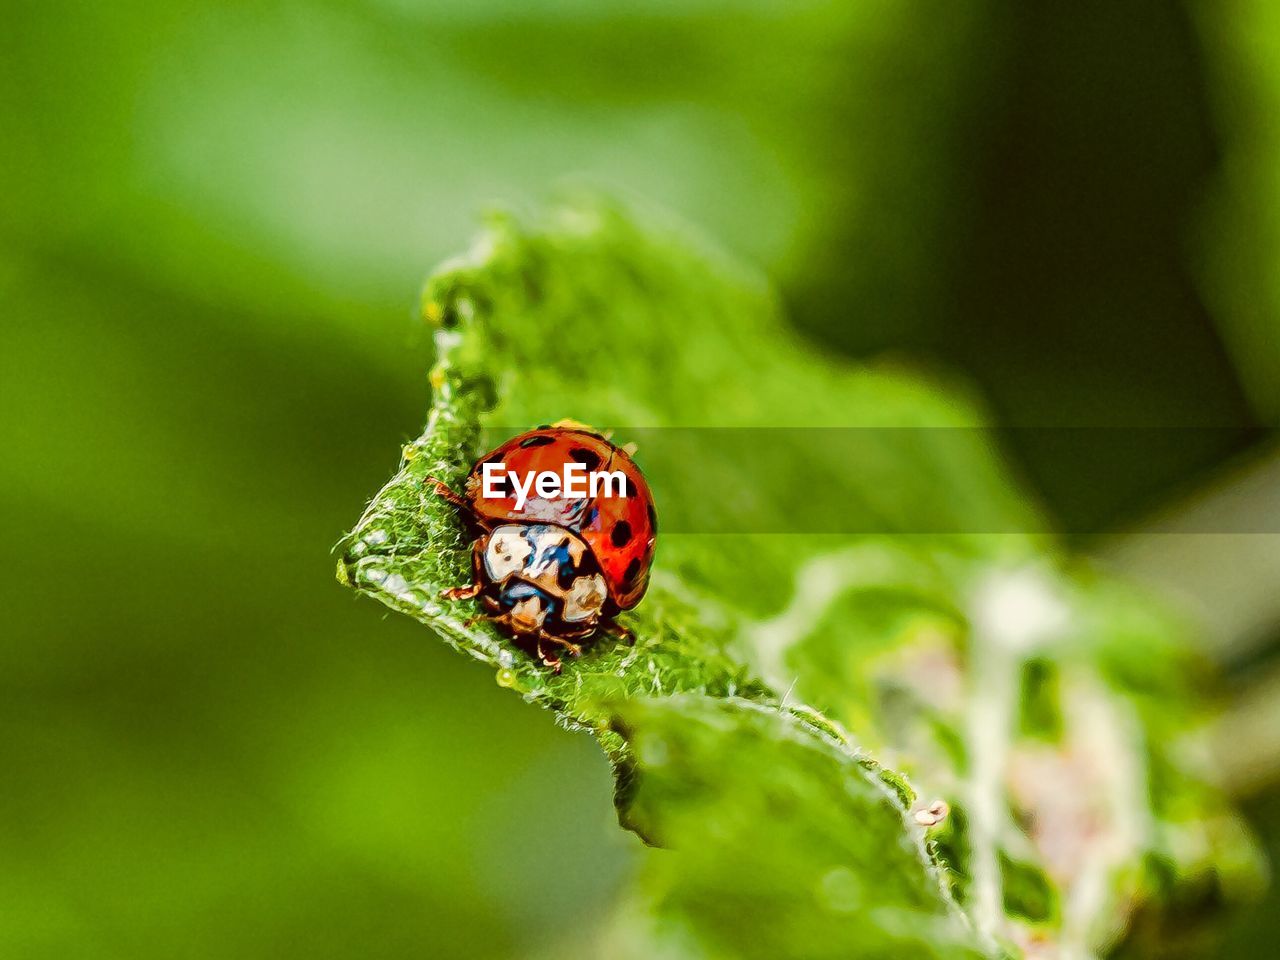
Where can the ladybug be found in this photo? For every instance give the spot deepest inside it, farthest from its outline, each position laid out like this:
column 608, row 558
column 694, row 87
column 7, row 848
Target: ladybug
column 555, row 569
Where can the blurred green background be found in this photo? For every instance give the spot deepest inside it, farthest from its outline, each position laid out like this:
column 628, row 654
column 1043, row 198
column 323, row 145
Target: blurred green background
column 215, row 223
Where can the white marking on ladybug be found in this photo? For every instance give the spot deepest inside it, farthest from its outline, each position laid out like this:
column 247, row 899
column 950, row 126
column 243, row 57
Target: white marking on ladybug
column 527, row 615
column 506, row 553
column 585, row 599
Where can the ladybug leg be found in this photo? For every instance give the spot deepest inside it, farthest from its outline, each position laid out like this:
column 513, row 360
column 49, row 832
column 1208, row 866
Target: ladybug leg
column 622, row 633
column 552, row 662
column 441, row 489
column 469, row 592
column 573, row 648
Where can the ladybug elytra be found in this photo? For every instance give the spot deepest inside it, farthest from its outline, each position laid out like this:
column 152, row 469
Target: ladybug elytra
column 555, row 563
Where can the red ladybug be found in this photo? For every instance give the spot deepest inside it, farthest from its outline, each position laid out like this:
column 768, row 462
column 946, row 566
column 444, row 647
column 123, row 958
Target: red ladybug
column 556, row 568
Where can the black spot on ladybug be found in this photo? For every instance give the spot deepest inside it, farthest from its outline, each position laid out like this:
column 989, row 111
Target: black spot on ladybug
column 537, row 440
column 565, row 575
column 621, row 533
column 633, row 570
column 500, row 485
column 631, row 488
column 544, row 426
column 653, row 518
column 588, row 458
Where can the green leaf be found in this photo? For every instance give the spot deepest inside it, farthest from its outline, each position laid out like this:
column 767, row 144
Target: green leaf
column 820, row 862
column 595, row 319
column 934, row 618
